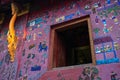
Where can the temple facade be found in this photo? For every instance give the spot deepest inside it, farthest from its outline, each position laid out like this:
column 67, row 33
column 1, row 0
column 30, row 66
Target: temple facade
column 65, row 40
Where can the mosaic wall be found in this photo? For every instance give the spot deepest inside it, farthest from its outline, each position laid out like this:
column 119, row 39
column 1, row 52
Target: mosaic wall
column 100, row 72
column 31, row 59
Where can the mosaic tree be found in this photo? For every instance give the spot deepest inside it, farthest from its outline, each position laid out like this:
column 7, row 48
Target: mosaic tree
column 90, row 73
column 96, row 31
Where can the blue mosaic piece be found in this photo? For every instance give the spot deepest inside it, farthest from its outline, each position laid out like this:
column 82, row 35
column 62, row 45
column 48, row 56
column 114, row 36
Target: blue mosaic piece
column 68, row 17
column 78, row 13
column 104, row 22
column 108, row 1
column 118, row 2
column 36, row 68
column 36, row 21
column 108, row 61
column 29, row 37
column 105, row 30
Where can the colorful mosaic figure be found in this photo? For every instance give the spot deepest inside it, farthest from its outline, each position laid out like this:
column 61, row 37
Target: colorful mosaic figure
column 43, row 46
column 113, row 76
column 105, row 50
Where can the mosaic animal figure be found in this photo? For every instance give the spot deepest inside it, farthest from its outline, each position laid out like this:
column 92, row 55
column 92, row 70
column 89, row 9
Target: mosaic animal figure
column 43, row 46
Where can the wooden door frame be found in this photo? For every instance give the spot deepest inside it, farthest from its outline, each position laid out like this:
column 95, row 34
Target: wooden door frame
column 68, row 24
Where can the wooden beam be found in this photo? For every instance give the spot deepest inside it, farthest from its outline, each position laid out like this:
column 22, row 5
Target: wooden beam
column 25, row 10
column 1, row 18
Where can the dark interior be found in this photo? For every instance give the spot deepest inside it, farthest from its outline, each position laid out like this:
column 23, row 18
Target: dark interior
column 73, row 45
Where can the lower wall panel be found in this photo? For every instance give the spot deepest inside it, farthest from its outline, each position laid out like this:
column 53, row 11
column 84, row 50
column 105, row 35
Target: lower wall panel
column 87, row 72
